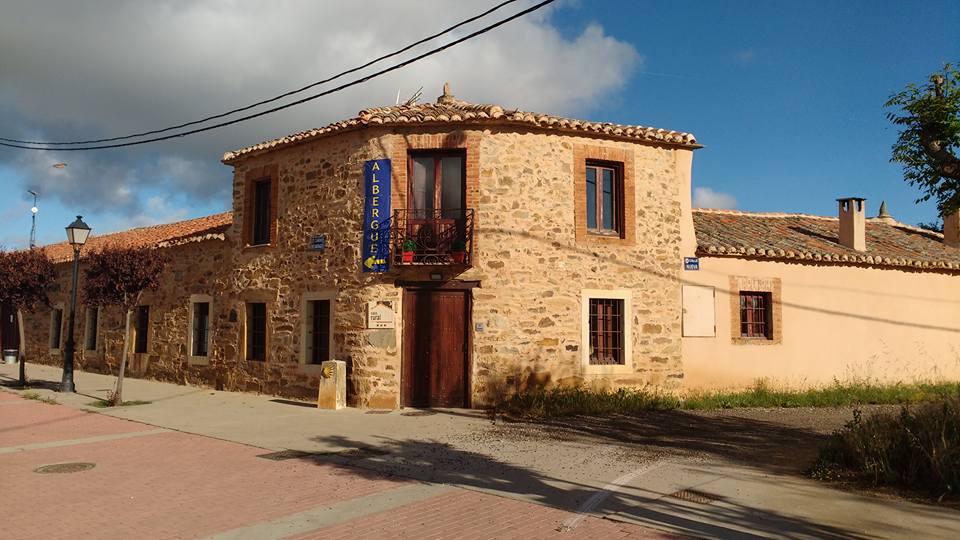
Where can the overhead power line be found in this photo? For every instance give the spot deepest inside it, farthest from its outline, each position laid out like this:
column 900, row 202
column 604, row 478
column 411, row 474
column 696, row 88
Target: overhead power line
column 51, row 145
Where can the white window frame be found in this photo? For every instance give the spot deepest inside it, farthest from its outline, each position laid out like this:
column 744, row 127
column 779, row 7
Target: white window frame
column 53, row 310
column 199, row 299
column 86, row 328
column 616, row 294
column 306, row 322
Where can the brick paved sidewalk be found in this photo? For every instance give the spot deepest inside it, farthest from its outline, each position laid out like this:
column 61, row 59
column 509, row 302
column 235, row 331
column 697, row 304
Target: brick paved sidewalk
column 156, row 483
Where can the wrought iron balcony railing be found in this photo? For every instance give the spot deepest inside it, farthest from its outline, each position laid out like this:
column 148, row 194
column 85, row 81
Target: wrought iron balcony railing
column 432, row 237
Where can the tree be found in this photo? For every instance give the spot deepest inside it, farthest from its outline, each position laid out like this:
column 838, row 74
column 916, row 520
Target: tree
column 930, row 137
column 118, row 276
column 26, row 278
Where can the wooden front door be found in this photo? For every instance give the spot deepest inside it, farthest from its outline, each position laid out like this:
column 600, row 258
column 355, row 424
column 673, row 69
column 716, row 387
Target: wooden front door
column 9, row 329
column 435, row 347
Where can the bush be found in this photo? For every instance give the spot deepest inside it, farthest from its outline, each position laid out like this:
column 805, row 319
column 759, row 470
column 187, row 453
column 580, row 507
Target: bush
column 918, row 448
column 573, row 401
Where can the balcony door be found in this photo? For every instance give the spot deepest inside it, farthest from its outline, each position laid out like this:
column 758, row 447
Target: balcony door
column 436, row 200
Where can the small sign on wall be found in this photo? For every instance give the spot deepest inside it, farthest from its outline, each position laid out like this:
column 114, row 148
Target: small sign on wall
column 691, row 263
column 318, row 242
column 381, row 314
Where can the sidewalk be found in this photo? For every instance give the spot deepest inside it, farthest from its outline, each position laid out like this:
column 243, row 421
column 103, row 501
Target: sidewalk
column 705, row 496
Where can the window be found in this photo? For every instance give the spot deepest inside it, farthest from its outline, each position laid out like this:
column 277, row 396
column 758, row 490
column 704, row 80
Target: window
column 606, row 331
column 260, row 233
column 436, row 185
column 142, row 329
column 755, row 315
column 318, row 331
column 92, row 319
column 257, row 331
column 56, row 324
column 200, row 327
column 604, row 198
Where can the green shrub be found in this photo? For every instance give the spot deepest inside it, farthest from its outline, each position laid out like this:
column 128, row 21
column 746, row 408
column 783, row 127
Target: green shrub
column 918, row 449
column 573, row 401
column 559, row 402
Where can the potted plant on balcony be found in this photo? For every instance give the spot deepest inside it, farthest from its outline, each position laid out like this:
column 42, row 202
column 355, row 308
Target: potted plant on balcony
column 409, row 246
column 458, row 251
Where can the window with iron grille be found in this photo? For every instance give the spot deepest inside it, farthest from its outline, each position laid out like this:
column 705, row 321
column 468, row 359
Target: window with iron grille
column 604, row 185
column 318, row 331
column 257, row 331
column 142, row 329
column 56, row 324
column 260, row 233
column 201, row 328
column 606, row 331
column 756, row 320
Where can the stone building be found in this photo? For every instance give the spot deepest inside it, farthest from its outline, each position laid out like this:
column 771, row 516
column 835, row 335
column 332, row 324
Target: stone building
column 452, row 253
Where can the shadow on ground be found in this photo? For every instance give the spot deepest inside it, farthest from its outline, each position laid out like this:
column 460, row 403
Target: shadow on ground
column 768, row 446
column 433, row 461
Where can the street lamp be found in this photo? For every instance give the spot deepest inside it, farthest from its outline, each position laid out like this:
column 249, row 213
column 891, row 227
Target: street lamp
column 33, row 219
column 77, row 233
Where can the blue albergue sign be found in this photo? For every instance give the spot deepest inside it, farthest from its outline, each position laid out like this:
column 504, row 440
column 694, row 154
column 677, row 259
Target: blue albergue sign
column 375, row 247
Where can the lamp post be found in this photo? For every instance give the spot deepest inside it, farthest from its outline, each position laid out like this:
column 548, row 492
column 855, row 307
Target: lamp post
column 33, row 219
column 77, row 233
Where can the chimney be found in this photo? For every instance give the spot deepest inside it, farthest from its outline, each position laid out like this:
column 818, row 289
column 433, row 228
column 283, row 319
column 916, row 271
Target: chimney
column 951, row 229
column 853, row 223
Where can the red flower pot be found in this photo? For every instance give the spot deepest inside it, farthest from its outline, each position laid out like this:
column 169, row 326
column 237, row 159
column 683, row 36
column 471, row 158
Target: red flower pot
column 459, row 257
column 407, row 257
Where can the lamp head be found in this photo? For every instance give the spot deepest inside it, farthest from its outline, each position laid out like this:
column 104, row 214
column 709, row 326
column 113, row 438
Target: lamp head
column 77, row 232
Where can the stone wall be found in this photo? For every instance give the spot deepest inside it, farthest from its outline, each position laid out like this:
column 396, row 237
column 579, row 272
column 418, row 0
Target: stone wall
column 529, row 263
column 194, row 269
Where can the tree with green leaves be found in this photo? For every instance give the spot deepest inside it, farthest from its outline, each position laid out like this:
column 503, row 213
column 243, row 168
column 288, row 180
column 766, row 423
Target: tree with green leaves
column 26, row 279
column 929, row 116
column 118, row 276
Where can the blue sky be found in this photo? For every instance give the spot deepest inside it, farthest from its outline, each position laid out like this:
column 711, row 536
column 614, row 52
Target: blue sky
column 786, row 96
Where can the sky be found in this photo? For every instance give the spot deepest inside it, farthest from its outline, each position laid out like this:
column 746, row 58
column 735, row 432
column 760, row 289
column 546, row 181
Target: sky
column 786, row 97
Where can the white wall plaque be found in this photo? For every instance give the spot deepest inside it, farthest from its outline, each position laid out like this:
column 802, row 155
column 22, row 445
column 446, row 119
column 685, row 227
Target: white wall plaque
column 381, row 314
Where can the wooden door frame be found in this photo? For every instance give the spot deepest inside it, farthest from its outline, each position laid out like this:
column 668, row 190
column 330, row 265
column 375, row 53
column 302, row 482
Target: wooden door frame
column 419, row 286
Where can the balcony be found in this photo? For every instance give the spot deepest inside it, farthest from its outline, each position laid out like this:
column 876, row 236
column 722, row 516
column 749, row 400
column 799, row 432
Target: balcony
column 432, row 237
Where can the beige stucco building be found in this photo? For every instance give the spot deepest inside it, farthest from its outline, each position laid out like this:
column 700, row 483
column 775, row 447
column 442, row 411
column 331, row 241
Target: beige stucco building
column 514, row 251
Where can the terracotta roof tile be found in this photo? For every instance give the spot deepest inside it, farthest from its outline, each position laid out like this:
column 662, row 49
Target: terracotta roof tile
column 726, row 233
column 448, row 110
column 165, row 235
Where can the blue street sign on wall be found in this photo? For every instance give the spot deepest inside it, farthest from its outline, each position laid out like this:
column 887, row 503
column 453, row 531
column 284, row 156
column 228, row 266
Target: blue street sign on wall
column 375, row 248
column 691, row 263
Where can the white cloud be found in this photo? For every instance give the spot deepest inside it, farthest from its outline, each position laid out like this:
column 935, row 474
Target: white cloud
column 704, row 197
column 100, row 69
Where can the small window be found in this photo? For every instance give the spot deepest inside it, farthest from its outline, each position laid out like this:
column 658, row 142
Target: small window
column 604, row 197
column 756, row 319
column 92, row 320
column 257, row 331
column 318, row 331
column 56, row 324
column 606, row 331
column 201, row 329
column 260, row 233
column 142, row 329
